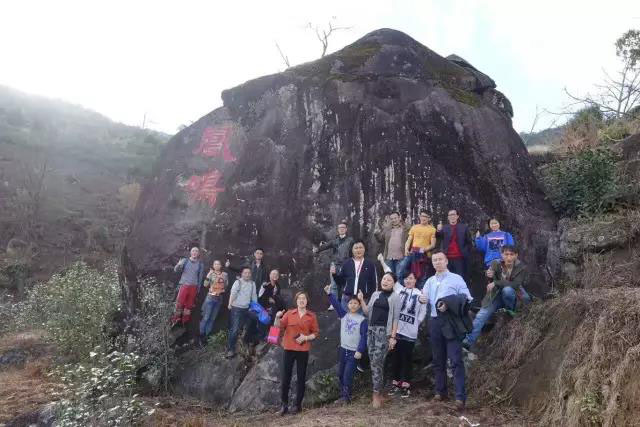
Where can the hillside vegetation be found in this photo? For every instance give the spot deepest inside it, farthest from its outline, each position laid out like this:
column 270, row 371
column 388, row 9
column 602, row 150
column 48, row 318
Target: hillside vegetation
column 68, row 178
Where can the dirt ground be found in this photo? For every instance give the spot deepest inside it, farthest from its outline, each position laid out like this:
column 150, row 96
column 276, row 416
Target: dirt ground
column 25, row 387
column 417, row 410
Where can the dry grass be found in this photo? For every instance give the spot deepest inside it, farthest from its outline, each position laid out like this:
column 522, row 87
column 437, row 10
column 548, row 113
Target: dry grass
column 577, row 138
column 604, row 271
column 26, row 388
column 31, row 342
column 415, row 411
column 570, row 361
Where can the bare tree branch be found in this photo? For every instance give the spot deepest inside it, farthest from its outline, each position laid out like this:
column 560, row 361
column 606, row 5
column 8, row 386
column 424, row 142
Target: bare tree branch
column 284, row 57
column 323, row 35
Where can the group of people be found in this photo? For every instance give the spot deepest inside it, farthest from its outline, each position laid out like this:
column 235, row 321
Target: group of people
column 243, row 293
column 420, row 280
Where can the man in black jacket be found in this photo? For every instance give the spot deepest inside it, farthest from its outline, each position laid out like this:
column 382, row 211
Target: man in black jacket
column 259, row 271
column 357, row 274
column 269, row 298
column 456, row 243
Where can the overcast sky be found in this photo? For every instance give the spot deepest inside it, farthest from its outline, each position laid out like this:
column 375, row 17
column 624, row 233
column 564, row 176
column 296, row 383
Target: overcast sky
column 172, row 59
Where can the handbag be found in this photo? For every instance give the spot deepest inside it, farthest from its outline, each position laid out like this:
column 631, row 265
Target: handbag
column 274, row 335
column 260, row 312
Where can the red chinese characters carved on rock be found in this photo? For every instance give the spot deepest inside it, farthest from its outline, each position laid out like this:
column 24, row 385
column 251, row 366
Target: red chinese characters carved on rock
column 215, row 143
column 204, row 188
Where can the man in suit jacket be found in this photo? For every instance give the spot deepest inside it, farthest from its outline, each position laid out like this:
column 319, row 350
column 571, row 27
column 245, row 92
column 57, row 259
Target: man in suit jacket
column 456, row 243
column 357, row 274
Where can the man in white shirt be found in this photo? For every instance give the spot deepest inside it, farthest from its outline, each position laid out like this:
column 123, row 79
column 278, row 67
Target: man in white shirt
column 444, row 284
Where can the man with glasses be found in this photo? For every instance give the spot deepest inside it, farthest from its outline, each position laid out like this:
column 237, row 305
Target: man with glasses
column 421, row 240
column 456, row 243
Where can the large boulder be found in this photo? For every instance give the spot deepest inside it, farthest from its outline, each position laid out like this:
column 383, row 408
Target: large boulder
column 260, row 388
column 252, row 382
column 209, row 376
column 597, row 252
column 384, row 123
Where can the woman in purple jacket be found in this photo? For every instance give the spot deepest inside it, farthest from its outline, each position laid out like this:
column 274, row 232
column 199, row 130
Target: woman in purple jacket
column 491, row 242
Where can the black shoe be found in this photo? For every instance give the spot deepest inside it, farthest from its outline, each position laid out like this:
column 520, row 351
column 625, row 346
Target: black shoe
column 201, row 342
column 395, row 390
column 295, row 410
column 340, row 402
column 405, row 392
column 439, row 398
column 284, row 410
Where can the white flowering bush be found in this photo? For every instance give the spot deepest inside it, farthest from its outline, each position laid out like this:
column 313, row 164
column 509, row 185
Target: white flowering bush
column 74, row 307
column 100, row 391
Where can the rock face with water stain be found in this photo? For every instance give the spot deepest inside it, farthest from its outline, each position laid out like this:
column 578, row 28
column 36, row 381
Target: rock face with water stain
column 382, row 124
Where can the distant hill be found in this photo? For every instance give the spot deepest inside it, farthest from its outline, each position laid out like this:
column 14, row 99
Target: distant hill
column 544, row 137
column 68, row 179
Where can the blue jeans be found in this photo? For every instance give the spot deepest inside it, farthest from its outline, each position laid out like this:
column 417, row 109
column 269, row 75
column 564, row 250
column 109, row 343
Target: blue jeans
column 442, row 349
column 346, row 369
column 506, row 298
column 238, row 317
column 394, row 265
column 210, row 309
column 405, row 264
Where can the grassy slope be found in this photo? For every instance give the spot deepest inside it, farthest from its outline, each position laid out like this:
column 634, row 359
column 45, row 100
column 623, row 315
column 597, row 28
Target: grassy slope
column 88, row 157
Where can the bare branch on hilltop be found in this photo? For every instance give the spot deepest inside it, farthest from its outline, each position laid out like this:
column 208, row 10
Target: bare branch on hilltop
column 617, row 96
column 284, row 57
column 323, row 35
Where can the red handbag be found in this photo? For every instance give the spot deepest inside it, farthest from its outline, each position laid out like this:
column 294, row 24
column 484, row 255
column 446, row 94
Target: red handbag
column 274, row 335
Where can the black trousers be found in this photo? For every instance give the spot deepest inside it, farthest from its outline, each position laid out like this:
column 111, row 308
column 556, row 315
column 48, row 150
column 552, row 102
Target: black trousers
column 458, row 266
column 402, row 360
column 300, row 358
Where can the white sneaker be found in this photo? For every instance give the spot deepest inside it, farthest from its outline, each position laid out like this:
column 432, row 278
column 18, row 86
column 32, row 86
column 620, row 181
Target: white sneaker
column 330, row 308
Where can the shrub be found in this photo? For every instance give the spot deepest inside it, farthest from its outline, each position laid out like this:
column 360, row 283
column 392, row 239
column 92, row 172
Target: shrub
column 583, row 184
column 615, row 131
column 152, row 338
column 218, row 341
column 74, row 307
column 581, row 132
column 100, row 391
column 10, row 315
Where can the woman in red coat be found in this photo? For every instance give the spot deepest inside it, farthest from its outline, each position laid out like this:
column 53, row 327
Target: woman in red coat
column 300, row 328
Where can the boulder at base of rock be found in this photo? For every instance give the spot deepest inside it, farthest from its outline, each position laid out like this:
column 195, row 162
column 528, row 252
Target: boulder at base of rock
column 260, row 388
column 209, row 376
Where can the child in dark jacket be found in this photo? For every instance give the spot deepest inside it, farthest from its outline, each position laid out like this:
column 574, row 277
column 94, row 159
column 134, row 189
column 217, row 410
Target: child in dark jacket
column 353, row 342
